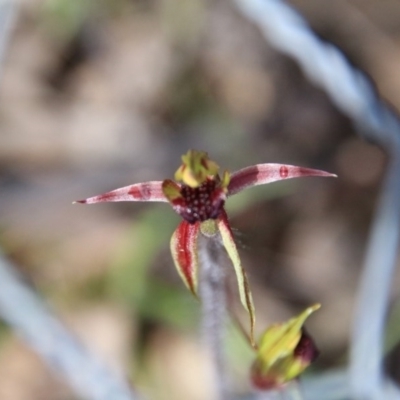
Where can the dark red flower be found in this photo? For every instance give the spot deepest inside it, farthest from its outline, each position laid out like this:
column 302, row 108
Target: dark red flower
column 198, row 195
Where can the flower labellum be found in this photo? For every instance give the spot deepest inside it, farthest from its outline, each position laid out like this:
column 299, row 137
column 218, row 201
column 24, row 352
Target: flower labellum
column 285, row 350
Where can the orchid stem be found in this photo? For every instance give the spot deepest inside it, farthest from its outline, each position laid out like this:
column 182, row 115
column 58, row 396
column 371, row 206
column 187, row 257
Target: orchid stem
column 214, row 313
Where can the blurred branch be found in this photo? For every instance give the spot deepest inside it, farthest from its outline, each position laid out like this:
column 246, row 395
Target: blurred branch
column 354, row 94
column 349, row 88
column 335, row 386
column 26, row 313
column 31, row 319
column 373, row 297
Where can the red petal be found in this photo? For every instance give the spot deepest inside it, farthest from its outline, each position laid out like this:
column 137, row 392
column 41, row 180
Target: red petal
column 184, row 253
column 243, row 283
column 147, row 191
column 266, row 173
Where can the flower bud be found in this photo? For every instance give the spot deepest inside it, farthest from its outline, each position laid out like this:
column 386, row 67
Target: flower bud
column 285, row 350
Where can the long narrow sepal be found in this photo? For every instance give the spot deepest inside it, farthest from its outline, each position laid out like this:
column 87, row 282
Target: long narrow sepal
column 184, row 253
column 146, row 191
column 261, row 174
column 243, row 283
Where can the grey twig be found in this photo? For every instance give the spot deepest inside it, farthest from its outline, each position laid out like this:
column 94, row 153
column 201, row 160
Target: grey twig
column 213, row 299
column 324, row 65
column 27, row 314
column 334, row 386
column 32, row 320
column 380, row 261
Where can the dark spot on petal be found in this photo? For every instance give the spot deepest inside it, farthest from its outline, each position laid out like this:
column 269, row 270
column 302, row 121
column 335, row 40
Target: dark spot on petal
column 135, row 192
column 283, row 172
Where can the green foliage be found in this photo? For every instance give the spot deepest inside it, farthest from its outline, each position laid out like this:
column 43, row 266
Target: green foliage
column 131, row 283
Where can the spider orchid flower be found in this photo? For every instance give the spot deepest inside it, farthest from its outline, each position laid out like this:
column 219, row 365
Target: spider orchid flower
column 285, row 350
column 198, row 195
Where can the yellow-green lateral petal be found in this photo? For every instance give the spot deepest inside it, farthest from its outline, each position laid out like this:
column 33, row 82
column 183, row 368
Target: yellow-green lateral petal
column 171, row 190
column 226, row 178
column 184, row 253
column 243, row 283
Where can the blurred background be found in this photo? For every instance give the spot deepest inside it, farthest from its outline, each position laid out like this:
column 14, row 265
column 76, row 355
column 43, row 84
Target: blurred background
column 101, row 94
